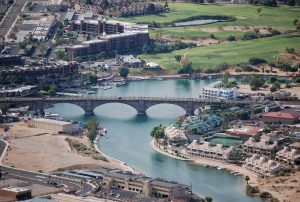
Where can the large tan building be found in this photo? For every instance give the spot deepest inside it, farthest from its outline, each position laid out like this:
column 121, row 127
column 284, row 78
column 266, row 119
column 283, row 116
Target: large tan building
column 261, row 165
column 112, row 35
column 262, row 147
column 54, row 125
column 208, row 150
column 14, row 193
column 145, row 185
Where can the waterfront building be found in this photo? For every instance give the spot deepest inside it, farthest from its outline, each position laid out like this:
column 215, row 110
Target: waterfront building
column 131, row 61
column 261, row 165
column 261, row 147
column 14, row 193
column 217, row 90
column 281, row 117
column 201, row 124
column 289, row 154
column 54, row 125
column 112, row 35
column 22, row 91
column 175, row 136
column 144, row 185
column 208, row 150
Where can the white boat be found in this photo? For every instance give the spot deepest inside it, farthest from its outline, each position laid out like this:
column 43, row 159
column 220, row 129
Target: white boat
column 220, row 168
column 159, row 78
column 91, row 92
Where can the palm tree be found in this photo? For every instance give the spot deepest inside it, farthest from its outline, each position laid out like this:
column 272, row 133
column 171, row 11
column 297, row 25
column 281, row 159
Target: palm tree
column 247, row 178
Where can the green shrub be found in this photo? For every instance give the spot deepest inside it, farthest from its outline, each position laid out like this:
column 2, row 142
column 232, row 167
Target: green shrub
column 250, row 36
column 231, row 38
column 256, row 61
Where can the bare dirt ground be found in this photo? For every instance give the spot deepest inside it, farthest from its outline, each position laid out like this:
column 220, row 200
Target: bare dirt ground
column 262, row 29
column 41, row 150
column 286, row 189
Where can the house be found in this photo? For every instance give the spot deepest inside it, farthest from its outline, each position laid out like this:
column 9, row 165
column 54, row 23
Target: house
column 175, row 136
column 261, row 165
column 131, row 61
column 281, row 117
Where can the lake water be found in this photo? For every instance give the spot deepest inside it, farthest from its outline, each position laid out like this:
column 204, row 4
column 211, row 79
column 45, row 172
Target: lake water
column 129, row 138
column 194, row 22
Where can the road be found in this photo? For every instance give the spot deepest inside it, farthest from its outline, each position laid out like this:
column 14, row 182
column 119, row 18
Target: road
column 11, row 16
column 40, row 178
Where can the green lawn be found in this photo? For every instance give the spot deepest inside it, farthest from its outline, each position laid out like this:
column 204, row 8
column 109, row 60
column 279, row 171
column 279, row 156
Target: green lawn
column 232, row 53
column 281, row 17
column 191, row 32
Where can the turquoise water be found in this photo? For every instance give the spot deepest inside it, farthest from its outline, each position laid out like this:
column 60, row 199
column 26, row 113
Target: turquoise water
column 129, row 138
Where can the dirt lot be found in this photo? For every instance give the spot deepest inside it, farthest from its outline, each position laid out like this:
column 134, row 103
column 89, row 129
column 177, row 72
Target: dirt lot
column 38, row 149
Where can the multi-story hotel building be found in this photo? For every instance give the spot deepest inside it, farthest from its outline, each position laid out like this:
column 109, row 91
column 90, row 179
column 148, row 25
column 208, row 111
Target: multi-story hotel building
column 175, row 136
column 289, row 155
column 261, row 165
column 208, row 150
column 262, row 147
column 217, row 90
column 145, row 185
column 112, row 35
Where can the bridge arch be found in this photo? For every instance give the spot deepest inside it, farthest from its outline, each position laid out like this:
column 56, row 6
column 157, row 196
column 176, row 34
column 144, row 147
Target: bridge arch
column 165, row 107
column 74, row 107
column 111, row 106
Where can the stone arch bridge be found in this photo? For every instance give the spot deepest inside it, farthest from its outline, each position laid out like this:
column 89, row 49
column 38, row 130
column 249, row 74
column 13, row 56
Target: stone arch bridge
column 141, row 104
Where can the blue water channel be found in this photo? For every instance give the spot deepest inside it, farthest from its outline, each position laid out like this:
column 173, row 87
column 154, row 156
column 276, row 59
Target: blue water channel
column 129, row 137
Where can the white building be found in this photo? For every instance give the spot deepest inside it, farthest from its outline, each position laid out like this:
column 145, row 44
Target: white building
column 19, row 92
column 218, row 91
column 261, row 165
column 54, row 125
column 175, row 135
column 207, row 150
column 263, row 147
column 42, row 30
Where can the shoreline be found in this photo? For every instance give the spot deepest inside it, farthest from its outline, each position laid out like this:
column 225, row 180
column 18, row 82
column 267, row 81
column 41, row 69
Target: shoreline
column 109, row 158
column 213, row 163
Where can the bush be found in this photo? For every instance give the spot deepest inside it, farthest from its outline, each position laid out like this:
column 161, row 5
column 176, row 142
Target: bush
column 212, row 36
column 265, row 195
column 273, row 79
column 256, row 82
column 290, row 50
column 273, row 89
column 123, row 71
column 252, row 190
column 297, row 80
column 250, row 36
column 288, row 86
column 256, row 61
column 271, row 3
column 231, row 38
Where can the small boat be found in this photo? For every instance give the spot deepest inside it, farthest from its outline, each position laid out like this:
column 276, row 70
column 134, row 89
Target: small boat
column 159, row 78
column 205, row 165
column 220, row 168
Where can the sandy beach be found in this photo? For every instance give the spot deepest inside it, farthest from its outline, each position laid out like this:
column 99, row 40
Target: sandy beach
column 42, row 150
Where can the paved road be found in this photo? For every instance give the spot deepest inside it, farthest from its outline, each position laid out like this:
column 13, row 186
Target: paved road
column 40, row 178
column 10, row 18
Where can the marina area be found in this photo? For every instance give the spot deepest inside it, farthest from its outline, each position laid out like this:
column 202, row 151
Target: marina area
column 132, row 131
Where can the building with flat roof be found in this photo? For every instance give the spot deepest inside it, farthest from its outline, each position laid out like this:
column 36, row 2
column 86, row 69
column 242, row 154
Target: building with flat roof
column 244, row 131
column 145, row 185
column 15, row 193
column 112, row 35
column 208, row 150
column 54, row 125
column 22, row 91
column 262, row 147
column 217, row 90
column 281, row 117
column 261, row 165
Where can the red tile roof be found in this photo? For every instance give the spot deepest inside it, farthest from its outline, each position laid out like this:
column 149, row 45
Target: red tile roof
column 284, row 115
